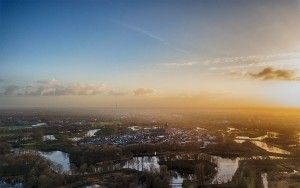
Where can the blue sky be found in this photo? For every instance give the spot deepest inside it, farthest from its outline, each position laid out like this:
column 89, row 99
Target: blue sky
column 48, row 37
column 167, row 46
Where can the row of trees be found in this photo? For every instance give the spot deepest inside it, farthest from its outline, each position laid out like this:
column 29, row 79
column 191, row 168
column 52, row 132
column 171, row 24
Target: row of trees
column 157, row 179
column 4, row 148
column 94, row 154
column 137, row 149
column 107, row 130
column 35, row 171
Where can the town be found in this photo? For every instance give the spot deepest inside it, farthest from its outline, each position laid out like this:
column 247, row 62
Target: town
column 208, row 154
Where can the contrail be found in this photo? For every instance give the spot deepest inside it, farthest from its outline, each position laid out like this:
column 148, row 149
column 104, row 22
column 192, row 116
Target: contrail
column 149, row 34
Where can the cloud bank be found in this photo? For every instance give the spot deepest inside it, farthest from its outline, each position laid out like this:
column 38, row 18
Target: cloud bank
column 10, row 90
column 116, row 93
column 143, row 92
column 54, row 88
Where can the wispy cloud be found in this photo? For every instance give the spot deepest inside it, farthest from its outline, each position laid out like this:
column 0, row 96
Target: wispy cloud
column 240, row 62
column 252, row 60
column 244, row 66
column 149, row 34
column 184, row 64
column 140, row 30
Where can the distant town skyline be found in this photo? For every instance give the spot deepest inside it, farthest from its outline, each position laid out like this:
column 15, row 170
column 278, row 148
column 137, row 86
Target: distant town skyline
column 204, row 54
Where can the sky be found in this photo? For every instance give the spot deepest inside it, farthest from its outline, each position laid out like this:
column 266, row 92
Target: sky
column 150, row 53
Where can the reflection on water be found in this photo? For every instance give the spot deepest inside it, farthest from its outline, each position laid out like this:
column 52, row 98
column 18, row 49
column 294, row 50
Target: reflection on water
column 4, row 184
column 226, row 168
column 58, row 158
column 60, row 163
column 143, row 163
column 150, row 163
column 264, row 180
column 270, row 148
column 176, row 180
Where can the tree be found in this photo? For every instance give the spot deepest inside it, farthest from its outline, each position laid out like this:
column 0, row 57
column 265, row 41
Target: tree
column 91, row 169
column 4, row 148
column 199, row 172
column 83, row 168
column 37, row 135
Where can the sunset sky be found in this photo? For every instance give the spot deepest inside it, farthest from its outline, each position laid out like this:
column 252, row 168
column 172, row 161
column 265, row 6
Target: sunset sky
column 150, row 53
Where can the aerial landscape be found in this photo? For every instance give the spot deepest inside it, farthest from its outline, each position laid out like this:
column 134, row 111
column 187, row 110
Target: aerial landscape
column 149, row 94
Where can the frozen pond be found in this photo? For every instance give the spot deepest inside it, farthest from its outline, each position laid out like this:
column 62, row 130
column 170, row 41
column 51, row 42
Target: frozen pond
column 269, row 148
column 264, row 180
column 259, row 143
column 39, row 125
column 75, row 139
column 134, row 128
column 92, row 132
column 4, row 184
column 249, row 138
column 176, row 179
column 150, row 163
column 48, row 137
column 226, row 169
column 89, row 133
column 143, row 163
column 58, row 158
